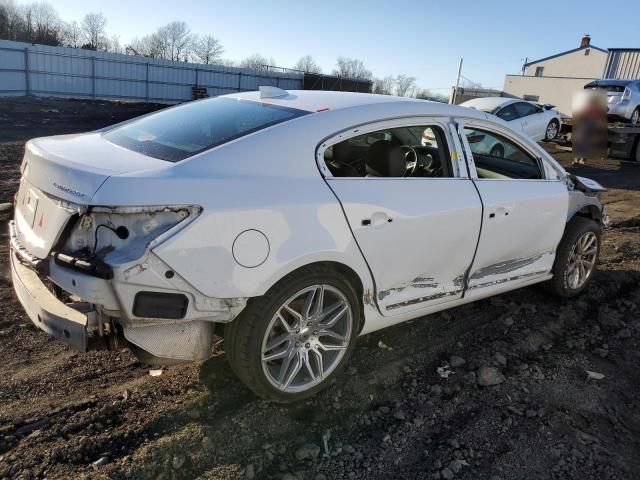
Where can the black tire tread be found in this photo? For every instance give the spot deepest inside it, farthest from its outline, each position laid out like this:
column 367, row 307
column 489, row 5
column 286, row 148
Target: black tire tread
column 576, row 227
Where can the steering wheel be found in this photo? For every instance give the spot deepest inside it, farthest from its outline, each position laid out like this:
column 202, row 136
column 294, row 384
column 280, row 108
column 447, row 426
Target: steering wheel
column 411, row 157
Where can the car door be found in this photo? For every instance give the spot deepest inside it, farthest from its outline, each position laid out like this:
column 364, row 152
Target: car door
column 417, row 233
column 531, row 119
column 524, row 212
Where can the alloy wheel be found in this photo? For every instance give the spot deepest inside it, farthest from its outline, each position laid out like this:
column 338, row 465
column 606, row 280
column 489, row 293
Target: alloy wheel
column 582, row 259
column 552, row 130
column 307, row 338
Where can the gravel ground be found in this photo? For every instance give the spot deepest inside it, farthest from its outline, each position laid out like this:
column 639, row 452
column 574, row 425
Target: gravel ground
column 518, row 404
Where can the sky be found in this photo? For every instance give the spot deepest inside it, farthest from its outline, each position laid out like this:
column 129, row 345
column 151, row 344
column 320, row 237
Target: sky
column 424, row 39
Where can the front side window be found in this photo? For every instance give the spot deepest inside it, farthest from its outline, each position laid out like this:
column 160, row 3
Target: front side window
column 499, row 158
column 507, row 113
column 415, row 151
column 180, row 132
column 524, row 109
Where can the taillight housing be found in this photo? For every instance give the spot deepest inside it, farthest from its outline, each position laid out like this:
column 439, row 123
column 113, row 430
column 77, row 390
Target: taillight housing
column 627, row 94
column 119, row 234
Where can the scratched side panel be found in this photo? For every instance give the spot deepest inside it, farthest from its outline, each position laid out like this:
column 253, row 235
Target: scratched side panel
column 522, row 226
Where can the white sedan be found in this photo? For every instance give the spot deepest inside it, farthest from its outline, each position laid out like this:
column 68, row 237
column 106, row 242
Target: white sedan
column 291, row 223
column 540, row 122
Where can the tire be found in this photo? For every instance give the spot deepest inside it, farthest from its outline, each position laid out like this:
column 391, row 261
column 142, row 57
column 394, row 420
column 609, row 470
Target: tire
column 497, row 151
column 248, row 337
column 565, row 268
column 635, row 116
column 552, row 130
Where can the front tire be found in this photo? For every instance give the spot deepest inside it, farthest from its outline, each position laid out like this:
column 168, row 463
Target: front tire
column 576, row 257
column 290, row 343
column 635, row 116
column 552, row 130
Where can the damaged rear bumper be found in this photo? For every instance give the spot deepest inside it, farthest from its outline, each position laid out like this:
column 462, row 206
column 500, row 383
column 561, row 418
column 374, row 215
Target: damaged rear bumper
column 64, row 322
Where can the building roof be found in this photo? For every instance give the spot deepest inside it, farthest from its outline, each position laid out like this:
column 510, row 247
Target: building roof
column 569, row 51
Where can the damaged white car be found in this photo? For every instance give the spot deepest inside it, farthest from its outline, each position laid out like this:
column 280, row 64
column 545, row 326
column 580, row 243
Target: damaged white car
column 291, row 223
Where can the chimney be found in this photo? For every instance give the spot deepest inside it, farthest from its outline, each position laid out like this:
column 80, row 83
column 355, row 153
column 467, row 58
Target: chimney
column 586, row 40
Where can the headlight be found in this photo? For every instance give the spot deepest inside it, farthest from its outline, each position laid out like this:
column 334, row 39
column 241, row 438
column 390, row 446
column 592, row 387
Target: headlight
column 118, row 234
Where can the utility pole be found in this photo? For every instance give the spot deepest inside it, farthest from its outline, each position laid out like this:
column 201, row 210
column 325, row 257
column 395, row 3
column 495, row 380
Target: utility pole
column 455, row 91
column 524, row 65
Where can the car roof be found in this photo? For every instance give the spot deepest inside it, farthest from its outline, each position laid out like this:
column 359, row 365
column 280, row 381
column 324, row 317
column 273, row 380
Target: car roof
column 321, row 100
column 489, row 103
column 608, row 83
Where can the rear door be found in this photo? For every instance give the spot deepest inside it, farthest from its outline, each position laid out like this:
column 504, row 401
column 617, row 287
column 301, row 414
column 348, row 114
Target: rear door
column 418, row 233
column 524, row 212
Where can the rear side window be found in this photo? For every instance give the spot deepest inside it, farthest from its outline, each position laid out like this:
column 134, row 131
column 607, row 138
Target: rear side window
column 180, row 132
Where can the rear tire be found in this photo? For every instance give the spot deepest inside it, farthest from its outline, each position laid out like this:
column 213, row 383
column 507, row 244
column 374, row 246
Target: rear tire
column 288, row 329
column 576, row 257
column 635, row 116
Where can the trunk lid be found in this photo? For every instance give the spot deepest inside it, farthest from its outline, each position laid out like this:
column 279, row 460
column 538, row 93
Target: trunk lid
column 60, row 176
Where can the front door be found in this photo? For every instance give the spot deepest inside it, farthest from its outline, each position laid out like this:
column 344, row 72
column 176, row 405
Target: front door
column 415, row 217
column 523, row 217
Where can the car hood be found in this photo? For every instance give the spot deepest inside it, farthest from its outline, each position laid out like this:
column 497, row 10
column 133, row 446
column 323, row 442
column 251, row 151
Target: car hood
column 73, row 167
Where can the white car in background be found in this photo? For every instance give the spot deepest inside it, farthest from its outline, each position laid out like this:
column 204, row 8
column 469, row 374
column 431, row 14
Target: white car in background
column 291, row 223
column 540, row 122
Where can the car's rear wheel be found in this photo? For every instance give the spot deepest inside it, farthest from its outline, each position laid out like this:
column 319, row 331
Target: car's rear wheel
column 552, row 130
column 576, row 257
column 290, row 343
column 635, row 116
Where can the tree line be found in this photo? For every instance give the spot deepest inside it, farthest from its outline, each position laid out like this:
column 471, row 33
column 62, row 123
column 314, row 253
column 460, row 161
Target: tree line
column 39, row 22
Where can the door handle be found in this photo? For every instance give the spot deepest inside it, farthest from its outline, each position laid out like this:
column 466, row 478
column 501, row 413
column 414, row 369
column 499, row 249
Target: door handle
column 377, row 219
column 500, row 212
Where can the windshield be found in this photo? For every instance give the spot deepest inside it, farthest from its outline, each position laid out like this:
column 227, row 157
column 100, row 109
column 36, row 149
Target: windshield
column 180, row 132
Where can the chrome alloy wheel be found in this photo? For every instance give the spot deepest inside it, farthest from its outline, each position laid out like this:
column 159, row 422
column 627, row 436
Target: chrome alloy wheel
column 552, row 130
column 307, row 338
column 582, row 259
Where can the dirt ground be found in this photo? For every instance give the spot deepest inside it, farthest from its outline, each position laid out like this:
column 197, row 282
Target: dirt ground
column 391, row 416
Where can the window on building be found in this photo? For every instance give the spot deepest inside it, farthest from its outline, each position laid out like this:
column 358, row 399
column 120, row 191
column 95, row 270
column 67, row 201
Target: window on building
column 531, row 98
column 539, row 71
column 586, row 52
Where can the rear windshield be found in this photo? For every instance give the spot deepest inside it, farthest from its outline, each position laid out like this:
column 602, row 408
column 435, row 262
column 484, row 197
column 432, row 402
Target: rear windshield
column 180, row 132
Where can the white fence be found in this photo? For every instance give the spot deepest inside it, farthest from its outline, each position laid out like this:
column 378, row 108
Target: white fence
column 27, row 69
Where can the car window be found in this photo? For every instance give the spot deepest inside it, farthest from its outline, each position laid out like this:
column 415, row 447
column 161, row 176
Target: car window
column 523, row 109
column 507, row 113
column 414, row 151
column 499, row 158
column 180, row 132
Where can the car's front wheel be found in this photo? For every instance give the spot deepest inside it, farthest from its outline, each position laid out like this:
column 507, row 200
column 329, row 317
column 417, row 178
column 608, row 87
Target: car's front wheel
column 288, row 344
column 635, row 116
column 576, row 257
column 552, row 130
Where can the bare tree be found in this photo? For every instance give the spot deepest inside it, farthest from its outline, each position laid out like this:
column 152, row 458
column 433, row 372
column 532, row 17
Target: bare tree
column 174, row 40
column 405, row 86
column 93, row 29
column 207, row 49
column 351, row 67
column 72, row 34
column 257, row 62
column 384, row 86
column 114, row 45
column 307, row 64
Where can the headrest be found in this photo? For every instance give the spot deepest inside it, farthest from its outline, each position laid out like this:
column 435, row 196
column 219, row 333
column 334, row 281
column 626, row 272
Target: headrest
column 385, row 159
